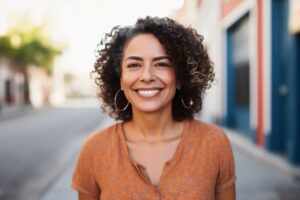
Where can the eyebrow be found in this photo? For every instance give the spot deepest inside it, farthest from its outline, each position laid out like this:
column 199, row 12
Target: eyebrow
column 154, row 59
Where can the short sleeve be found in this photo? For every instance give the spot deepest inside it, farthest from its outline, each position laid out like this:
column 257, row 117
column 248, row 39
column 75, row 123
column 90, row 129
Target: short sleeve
column 83, row 175
column 226, row 177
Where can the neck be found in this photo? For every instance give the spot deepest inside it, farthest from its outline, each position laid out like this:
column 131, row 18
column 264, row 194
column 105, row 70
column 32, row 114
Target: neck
column 151, row 126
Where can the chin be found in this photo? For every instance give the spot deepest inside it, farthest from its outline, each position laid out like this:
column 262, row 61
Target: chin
column 150, row 108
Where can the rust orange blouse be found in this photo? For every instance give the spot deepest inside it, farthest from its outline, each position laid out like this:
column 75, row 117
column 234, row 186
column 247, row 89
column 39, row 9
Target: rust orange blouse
column 201, row 167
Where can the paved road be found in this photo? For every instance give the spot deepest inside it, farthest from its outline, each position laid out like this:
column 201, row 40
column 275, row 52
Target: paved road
column 257, row 180
column 36, row 145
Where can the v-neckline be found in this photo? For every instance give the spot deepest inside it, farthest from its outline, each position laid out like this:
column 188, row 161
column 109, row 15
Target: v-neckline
column 173, row 159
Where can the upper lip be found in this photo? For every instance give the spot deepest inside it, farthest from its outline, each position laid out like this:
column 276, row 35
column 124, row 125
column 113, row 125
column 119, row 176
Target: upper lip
column 152, row 88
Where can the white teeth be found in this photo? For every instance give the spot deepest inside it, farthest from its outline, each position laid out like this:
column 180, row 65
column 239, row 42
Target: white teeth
column 148, row 92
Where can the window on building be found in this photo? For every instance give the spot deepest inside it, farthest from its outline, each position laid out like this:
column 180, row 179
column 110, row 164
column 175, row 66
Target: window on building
column 241, row 62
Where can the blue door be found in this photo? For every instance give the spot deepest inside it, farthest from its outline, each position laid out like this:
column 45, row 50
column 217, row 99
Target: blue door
column 285, row 55
column 238, row 87
column 279, row 52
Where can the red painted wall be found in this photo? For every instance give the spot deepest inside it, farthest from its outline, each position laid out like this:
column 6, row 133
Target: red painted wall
column 229, row 5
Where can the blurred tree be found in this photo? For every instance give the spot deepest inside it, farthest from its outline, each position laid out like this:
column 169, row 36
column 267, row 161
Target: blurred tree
column 26, row 45
column 6, row 49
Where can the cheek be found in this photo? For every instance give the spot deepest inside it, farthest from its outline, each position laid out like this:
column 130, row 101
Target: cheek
column 125, row 81
column 170, row 79
column 125, row 87
column 128, row 78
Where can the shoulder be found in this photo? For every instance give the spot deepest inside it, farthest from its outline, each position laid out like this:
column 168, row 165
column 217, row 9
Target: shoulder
column 210, row 134
column 101, row 139
column 203, row 129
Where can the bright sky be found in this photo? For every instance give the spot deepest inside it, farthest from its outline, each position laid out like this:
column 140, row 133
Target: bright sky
column 82, row 23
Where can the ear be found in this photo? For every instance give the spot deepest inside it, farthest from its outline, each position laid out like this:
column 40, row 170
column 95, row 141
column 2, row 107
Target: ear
column 121, row 84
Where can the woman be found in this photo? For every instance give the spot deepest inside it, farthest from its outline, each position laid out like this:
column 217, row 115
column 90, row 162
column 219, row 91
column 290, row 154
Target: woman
column 152, row 77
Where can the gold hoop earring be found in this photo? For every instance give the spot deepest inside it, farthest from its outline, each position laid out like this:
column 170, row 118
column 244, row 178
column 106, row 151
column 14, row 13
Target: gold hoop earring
column 187, row 106
column 115, row 102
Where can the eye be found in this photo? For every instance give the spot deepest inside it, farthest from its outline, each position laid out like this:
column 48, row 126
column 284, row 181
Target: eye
column 133, row 65
column 163, row 64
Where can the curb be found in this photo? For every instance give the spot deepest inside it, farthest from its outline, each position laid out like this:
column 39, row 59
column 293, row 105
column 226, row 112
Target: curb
column 263, row 155
column 43, row 185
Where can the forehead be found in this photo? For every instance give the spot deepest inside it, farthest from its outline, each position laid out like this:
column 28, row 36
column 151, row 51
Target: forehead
column 144, row 45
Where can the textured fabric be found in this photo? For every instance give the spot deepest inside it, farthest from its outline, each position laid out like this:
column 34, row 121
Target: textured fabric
column 201, row 167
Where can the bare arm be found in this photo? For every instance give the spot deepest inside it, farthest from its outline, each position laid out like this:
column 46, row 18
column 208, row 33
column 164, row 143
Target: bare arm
column 82, row 196
column 228, row 194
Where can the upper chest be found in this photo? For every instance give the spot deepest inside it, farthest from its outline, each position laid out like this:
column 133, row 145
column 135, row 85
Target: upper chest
column 193, row 172
column 151, row 154
column 153, row 157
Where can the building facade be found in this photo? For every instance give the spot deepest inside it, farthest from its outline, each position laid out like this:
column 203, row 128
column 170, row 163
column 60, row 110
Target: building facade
column 11, row 84
column 261, row 55
column 255, row 45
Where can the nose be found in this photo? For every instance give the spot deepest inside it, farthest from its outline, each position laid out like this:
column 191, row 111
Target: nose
column 147, row 73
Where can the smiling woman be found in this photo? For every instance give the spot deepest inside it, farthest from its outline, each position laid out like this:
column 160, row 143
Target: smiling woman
column 152, row 77
column 148, row 78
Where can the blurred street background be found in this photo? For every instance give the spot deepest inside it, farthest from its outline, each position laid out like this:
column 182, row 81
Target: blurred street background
column 48, row 102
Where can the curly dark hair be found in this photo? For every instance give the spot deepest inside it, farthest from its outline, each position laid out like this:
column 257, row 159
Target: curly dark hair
column 193, row 68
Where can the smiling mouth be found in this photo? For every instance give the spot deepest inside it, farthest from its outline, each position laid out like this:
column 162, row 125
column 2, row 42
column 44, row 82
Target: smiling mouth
column 148, row 92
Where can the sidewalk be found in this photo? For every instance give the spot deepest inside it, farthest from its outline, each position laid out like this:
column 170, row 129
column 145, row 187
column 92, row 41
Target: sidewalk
column 61, row 189
column 260, row 175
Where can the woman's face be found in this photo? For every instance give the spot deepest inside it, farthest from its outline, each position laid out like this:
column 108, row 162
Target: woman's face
column 148, row 77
